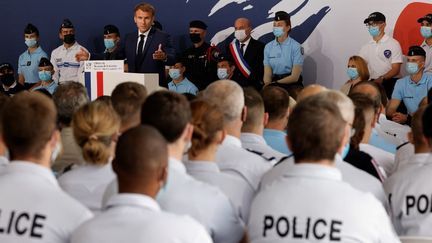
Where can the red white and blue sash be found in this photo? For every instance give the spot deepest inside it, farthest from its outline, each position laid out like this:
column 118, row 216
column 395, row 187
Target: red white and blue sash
column 239, row 59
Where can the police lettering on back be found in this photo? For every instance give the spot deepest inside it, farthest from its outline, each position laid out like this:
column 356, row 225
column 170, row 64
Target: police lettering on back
column 22, row 224
column 420, row 203
column 302, row 228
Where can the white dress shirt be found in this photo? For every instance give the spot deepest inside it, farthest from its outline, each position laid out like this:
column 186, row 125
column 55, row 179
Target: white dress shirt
column 34, row 208
column 232, row 158
column 87, row 183
column 311, row 203
column 138, row 218
column 256, row 144
column 235, row 188
column 66, row 67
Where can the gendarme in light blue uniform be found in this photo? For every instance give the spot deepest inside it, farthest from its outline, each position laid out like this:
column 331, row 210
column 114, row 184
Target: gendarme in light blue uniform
column 51, row 88
column 412, row 93
column 185, row 86
column 28, row 64
column 281, row 57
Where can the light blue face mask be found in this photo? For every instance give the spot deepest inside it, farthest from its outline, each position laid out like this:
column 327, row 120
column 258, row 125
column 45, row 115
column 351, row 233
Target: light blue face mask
column 30, row 42
column 45, row 75
column 345, row 151
column 426, row 31
column 352, row 73
column 222, row 73
column 174, row 73
column 374, row 31
column 109, row 43
column 412, row 67
column 278, row 31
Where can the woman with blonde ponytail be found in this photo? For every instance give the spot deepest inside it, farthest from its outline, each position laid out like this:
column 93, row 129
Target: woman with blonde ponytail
column 96, row 129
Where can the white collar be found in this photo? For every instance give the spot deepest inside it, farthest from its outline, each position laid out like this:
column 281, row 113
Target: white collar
column 385, row 38
column 252, row 138
column 26, row 167
column 145, row 33
column 201, row 166
column 74, row 46
column 314, row 171
column 10, row 87
column 231, row 140
column 246, row 43
column 176, row 165
column 133, row 199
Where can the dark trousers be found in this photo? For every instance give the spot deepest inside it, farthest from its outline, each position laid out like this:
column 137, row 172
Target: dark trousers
column 293, row 89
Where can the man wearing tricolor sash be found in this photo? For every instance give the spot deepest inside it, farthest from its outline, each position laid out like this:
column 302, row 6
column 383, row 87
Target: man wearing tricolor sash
column 248, row 55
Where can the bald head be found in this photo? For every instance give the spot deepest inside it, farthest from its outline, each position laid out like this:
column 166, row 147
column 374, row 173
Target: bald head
column 310, row 90
column 228, row 95
column 343, row 102
column 141, row 158
column 371, row 89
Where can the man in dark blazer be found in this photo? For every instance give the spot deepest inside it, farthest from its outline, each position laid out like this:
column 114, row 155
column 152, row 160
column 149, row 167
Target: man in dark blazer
column 248, row 55
column 149, row 50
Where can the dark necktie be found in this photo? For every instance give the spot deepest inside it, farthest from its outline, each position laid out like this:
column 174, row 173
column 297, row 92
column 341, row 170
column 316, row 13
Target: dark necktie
column 242, row 48
column 140, row 45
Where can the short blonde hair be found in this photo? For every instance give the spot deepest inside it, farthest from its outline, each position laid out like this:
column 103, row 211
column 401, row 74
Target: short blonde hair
column 94, row 127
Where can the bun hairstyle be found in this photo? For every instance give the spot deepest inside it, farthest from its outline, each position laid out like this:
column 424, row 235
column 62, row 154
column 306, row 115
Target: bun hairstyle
column 95, row 125
column 207, row 120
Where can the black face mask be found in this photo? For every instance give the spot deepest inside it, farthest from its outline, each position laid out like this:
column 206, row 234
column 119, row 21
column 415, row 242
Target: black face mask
column 195, row 37
column 69, row 39
column 7, row 79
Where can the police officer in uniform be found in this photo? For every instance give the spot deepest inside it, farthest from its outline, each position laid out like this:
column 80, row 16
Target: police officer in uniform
column 8, row 84
column 28, row 61
column 383, row 54
column 426, row 32
column 33, row 207
column 283, row 57
column 46, row 71
column 252, row 130
column 133, row 215
column 201, row 58
column 311, row 203
column 410, row 192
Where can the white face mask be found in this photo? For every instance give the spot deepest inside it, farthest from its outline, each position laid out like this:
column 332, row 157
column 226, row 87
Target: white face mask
column 240, row 35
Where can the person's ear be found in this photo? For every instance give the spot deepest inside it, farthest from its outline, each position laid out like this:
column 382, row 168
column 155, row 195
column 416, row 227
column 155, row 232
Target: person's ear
column 60, row 36
column 187, row 132
column 163, row 175
column 288, row 143
column 410, row 137
column 220, row 136
column 346, row 138
column 55, row 138
column 266, row 118
column 244, row 114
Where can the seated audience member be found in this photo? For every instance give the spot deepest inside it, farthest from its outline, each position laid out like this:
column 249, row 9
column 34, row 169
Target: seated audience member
column 231, row 157
column 28, row 61
column 355, row 156
column 252, row 130
column 410, row 194
column 4, row 160
column 208, row 134
column 8, row 84
column 310, row 90
column 68, row 98
column 357, row 71
column 225, row 68
column 357, row 178
column 411, row 89
column 133, row 215
column 95, row 128
column 180, row 83
column 33, row 207
column 386, row 134
column 127, row 99
column 46, row 70
column 311, row 192
column 276, row 105
column 370, row 114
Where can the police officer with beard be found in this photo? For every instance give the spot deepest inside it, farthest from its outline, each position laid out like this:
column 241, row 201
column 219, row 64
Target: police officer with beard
column 201, row 57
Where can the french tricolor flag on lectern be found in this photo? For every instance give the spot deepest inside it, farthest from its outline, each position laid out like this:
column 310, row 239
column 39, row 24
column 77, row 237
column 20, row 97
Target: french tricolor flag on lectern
column 94, row 83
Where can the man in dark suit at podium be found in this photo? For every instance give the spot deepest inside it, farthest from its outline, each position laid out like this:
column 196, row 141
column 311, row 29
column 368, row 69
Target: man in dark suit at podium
column 248, row 55
column 149, row 50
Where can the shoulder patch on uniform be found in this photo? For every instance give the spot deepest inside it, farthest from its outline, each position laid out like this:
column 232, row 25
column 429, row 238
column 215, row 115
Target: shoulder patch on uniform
column 283, row 159
column 302, row 50
column 261, row 155
column 387, row 53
